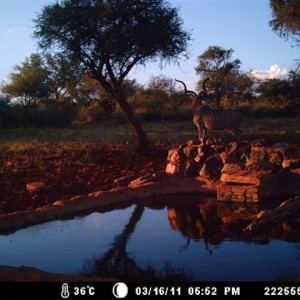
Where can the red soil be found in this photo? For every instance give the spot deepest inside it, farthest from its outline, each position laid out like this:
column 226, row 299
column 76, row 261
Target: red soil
column 71, row 173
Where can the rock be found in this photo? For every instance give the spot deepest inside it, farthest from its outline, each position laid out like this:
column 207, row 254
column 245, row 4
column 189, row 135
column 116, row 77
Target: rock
column 248, row 177
column 144, row 179
column 272, row 217
column 291, row 163
column 212, row 167
column 259, row 142
column 172, row 169
column 275, row 158
column 239, row 193
column 231, row 154
column 258, row 154
column 190, row 151
column 124, row 180
column 280, row 145
column 291, row 153
column 218, row 148
column 290, row 180
column 232, row 167
column 36, row 186
column 244, row 213
column 176, row 161
column 213, row 140
column 204, row 152
column 261, row 166
column 58, row 203
column 192, row 168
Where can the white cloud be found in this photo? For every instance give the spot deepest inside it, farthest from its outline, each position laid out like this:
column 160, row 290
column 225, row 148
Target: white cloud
column 191, row 84
column 275, row 71
column 12, row 30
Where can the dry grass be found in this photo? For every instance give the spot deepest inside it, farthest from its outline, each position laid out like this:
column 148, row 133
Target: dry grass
column 79, row 135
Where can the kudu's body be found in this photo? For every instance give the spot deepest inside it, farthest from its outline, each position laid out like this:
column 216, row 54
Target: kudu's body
column 207, row 118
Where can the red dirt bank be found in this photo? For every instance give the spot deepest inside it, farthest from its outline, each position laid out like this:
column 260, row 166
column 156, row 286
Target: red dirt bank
column 71, row 173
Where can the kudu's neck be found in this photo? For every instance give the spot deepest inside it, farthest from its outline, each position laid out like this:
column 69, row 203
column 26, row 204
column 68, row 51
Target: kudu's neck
column 196, row 103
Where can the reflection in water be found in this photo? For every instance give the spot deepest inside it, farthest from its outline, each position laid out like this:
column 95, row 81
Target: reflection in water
column 117, row 264
column 203, row 220
column 174, row 238
column 214, row 222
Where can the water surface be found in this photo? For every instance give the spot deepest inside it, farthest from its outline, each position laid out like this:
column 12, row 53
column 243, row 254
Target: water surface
column 169, row 238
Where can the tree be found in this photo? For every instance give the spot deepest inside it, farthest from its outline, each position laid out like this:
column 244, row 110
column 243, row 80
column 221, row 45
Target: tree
column 110, row 37
column 62, row 75
column 159, row 100
column 294, row 78
column 217, row 64
column 286, row 19
column 276, row 91
column 28, row 84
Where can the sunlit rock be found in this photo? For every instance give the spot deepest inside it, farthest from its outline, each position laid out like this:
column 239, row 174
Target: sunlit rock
column 36, row 186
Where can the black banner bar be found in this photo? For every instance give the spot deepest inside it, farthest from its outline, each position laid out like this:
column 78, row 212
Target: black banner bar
column 139, row 290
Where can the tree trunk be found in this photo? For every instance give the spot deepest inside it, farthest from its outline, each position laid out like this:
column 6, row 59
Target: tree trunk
column 141, row 138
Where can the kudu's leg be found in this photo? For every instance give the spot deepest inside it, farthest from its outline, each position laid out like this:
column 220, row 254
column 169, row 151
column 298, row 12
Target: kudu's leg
column 202, row 131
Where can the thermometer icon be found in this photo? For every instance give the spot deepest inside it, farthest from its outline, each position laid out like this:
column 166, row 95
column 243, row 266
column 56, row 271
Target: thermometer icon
column 65, row 291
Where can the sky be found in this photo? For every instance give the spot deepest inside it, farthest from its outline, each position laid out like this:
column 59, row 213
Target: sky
column 241, row 25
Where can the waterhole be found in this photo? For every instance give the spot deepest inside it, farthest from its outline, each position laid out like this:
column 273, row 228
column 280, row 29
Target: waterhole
column 181, row 238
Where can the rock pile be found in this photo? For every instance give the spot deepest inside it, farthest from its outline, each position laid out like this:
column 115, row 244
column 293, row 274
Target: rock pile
column 241, row 162
column 210, row 160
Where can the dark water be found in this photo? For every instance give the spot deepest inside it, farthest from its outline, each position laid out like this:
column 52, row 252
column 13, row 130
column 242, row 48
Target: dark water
column 166, row 239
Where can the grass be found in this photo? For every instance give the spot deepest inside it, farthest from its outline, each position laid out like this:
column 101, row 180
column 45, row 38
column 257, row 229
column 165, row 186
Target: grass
column 79, row 135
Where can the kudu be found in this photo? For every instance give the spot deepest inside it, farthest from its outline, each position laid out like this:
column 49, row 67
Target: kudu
column 205, row 117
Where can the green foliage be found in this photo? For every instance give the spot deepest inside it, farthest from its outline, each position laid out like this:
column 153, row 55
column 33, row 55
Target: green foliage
column 92, row 113
column 217, row 64
column 53, row 115
column 110, row 37
column 7, row 115
column 286, row 19
column 28, row 84
column 160, row 100
column 62, row 75
column 294, row 79
column 29, row 81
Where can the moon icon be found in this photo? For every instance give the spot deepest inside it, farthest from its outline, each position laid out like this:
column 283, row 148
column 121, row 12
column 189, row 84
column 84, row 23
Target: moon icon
column 120, row 290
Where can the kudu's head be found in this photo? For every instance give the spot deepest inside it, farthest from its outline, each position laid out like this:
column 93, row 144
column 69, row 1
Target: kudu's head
column 193, row 95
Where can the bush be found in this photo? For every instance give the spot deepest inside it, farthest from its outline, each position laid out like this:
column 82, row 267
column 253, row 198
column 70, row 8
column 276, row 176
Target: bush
column 8, row 115
column 262, row 108
column 53, row 115
column 93, row 113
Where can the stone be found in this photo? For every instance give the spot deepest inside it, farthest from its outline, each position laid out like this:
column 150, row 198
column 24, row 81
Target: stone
column 172, row 169
column 212, row 167
column 275, row 157
column 261, row 166
column 190, row 151
column 291, row 163
column 232, row 167
column 213, row 140
column 258, row 154
column 259, row 142
column 239, row 193
column 218, row 148
column 204, row 152
column 248, row 177
column 231, row 152
column 291, row 152
column 249, row 186
column 176, row 161
column 192, row 168
column 145, row 179
column 36, row 186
